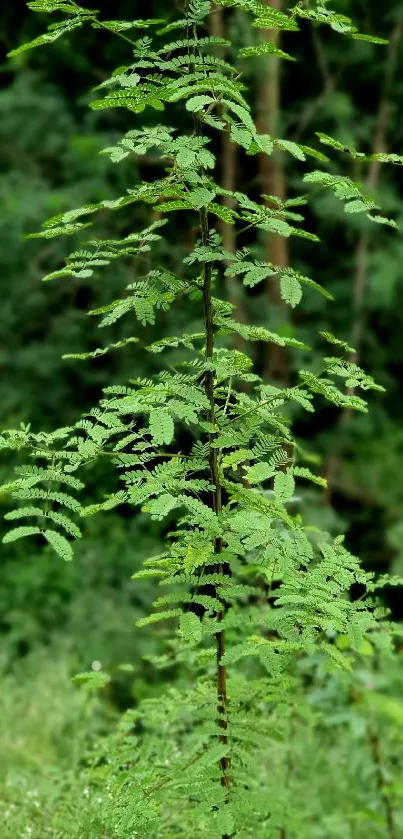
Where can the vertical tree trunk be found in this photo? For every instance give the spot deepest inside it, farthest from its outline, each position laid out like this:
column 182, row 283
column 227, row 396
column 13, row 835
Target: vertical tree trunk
column 272, row 182
column 228, row 169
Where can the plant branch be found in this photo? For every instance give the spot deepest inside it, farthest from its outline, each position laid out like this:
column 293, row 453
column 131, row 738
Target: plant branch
column 221, row 670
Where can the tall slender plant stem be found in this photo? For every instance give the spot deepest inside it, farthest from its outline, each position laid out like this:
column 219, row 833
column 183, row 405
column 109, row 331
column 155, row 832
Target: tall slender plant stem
column 217, row 493
column 221, row 670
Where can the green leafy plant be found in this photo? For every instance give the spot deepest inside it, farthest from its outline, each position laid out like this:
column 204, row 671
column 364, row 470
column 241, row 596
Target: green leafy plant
column 250, row 592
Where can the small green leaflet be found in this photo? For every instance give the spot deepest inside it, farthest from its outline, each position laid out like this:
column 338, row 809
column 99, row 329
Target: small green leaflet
column 241, row 136
column 356, row 206
column 100, row 350
column 160, row 507
column 225, row 822
column 55, row 515
column 259, row 472
column 271, row 18
column 51, row 35
column 337, row 656
column 266, row 48
column 159, row 616
column 243, row 114
column 92, row 681
column 383, row 157
column 64, row 230
column 65, row 522
column 19, row 533
column 197, row 103
column 328, row 336
column 122, row 25
column 190, row 628
column 59, row 544
column 284, row 486
column 196, row 556
column 370, row 39
column 265, row 143
column 23, row 512
column 290, row 289
column 303, row 472
column 49, row 6
column 292, row 148
column 201, row 197
column 161, row 426
column 233, row 459
column 337, row 146
column 382, row 220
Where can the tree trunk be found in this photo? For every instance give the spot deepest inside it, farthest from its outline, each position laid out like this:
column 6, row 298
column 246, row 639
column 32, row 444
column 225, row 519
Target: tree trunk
column 228, row 169
column 272, row 182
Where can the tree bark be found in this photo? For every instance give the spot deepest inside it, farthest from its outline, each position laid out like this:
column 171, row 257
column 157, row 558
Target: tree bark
column 272, row 182
column 228, row 171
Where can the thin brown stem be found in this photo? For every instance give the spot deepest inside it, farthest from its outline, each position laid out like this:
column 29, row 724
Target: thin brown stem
column 216, row 501
column 221, row 671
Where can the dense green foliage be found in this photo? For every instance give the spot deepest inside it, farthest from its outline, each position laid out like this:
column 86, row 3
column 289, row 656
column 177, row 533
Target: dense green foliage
column 197, row 438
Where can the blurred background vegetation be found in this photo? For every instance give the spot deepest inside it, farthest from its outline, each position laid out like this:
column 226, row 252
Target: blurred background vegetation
column 57, row 619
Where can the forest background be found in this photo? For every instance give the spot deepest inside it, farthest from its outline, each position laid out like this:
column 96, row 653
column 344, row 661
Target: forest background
column 55, row 618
